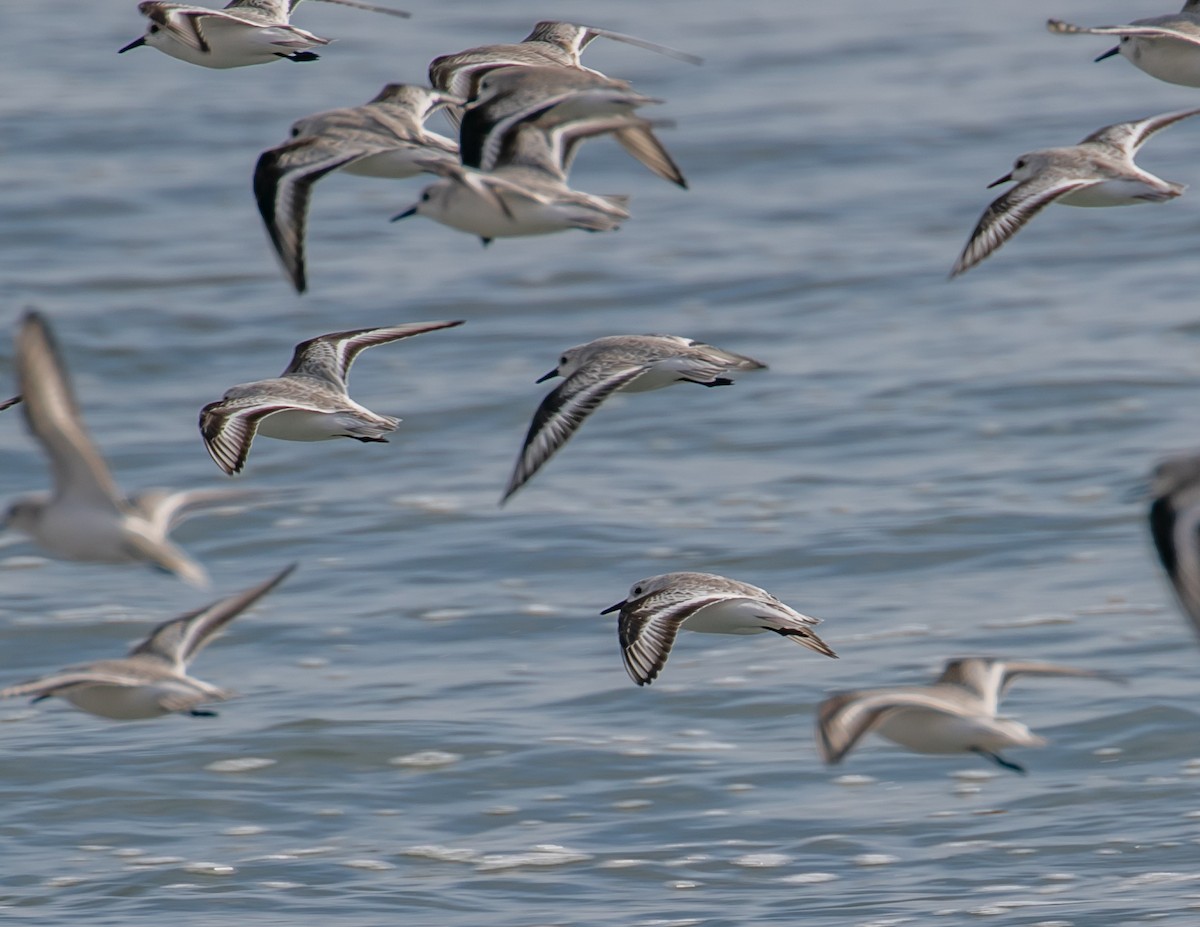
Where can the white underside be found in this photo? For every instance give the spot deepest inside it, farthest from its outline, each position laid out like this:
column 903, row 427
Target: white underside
column 923, row 730
column 124, row 703
column 297, row 425
column 464, row 209
column 1118, row 193
column 80, row 532
column 1168, row 60
column 235, row 45
column 738, row 616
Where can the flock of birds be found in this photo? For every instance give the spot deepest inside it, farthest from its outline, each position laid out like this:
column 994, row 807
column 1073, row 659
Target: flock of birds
column 522, row 109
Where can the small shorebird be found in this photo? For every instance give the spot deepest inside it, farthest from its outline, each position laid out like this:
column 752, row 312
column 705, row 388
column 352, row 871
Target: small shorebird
column 555, row 44
column 152, row 680
column 307, row 402
column 88, row 517
column 1175, row 528
column 1099, row 171
column 617, row 363
column 245, row 32
column 527, row 193
column 657, row 608
column 383, row 138
column 1166, row 47
column 556, row 96
column 957, row 714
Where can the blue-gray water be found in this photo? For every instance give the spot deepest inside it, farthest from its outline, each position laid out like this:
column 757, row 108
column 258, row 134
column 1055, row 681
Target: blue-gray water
column 445, row 733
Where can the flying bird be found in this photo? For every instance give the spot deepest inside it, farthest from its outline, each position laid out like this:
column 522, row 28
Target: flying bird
column 554, row 44
column 1099, row 171
column 152, row 680
column 956, row 714
column 245, row 32
column 385, row 137
column 87, row 517
column 307, row 402
column 555, row 97
column 527, row 192
column 1166, row 47
column 658, row 607
column 1175, row 528
column 617, row 363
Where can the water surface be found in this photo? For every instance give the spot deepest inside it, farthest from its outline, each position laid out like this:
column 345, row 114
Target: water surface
column 434, row 724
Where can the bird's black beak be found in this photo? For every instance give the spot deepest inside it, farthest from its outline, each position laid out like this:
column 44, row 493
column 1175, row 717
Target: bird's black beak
column 1115, row 50
column 614, row 608
column 411, row 211
column 136, row 43
column 1005, row 179
column 550, row 376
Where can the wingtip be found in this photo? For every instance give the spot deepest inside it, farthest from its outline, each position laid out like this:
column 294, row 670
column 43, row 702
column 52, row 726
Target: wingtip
column 196, row 578
column 283, row 574
column 824, row 749
column 960, row 267
column 509, row 491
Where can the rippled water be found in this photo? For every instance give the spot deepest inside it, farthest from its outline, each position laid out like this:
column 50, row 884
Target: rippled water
column 435, row 727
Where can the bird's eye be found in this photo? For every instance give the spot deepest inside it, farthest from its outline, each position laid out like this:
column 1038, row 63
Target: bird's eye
column 425, row 197
column 153, row 29
column 637, row 590
column 295, row 131
column 562, row 361
column 1020, row 163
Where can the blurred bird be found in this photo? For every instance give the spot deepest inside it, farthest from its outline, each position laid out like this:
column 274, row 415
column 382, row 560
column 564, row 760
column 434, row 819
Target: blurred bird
column 1175, row 528
column 152, row 680
column 957, row 714
column 87, row 517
